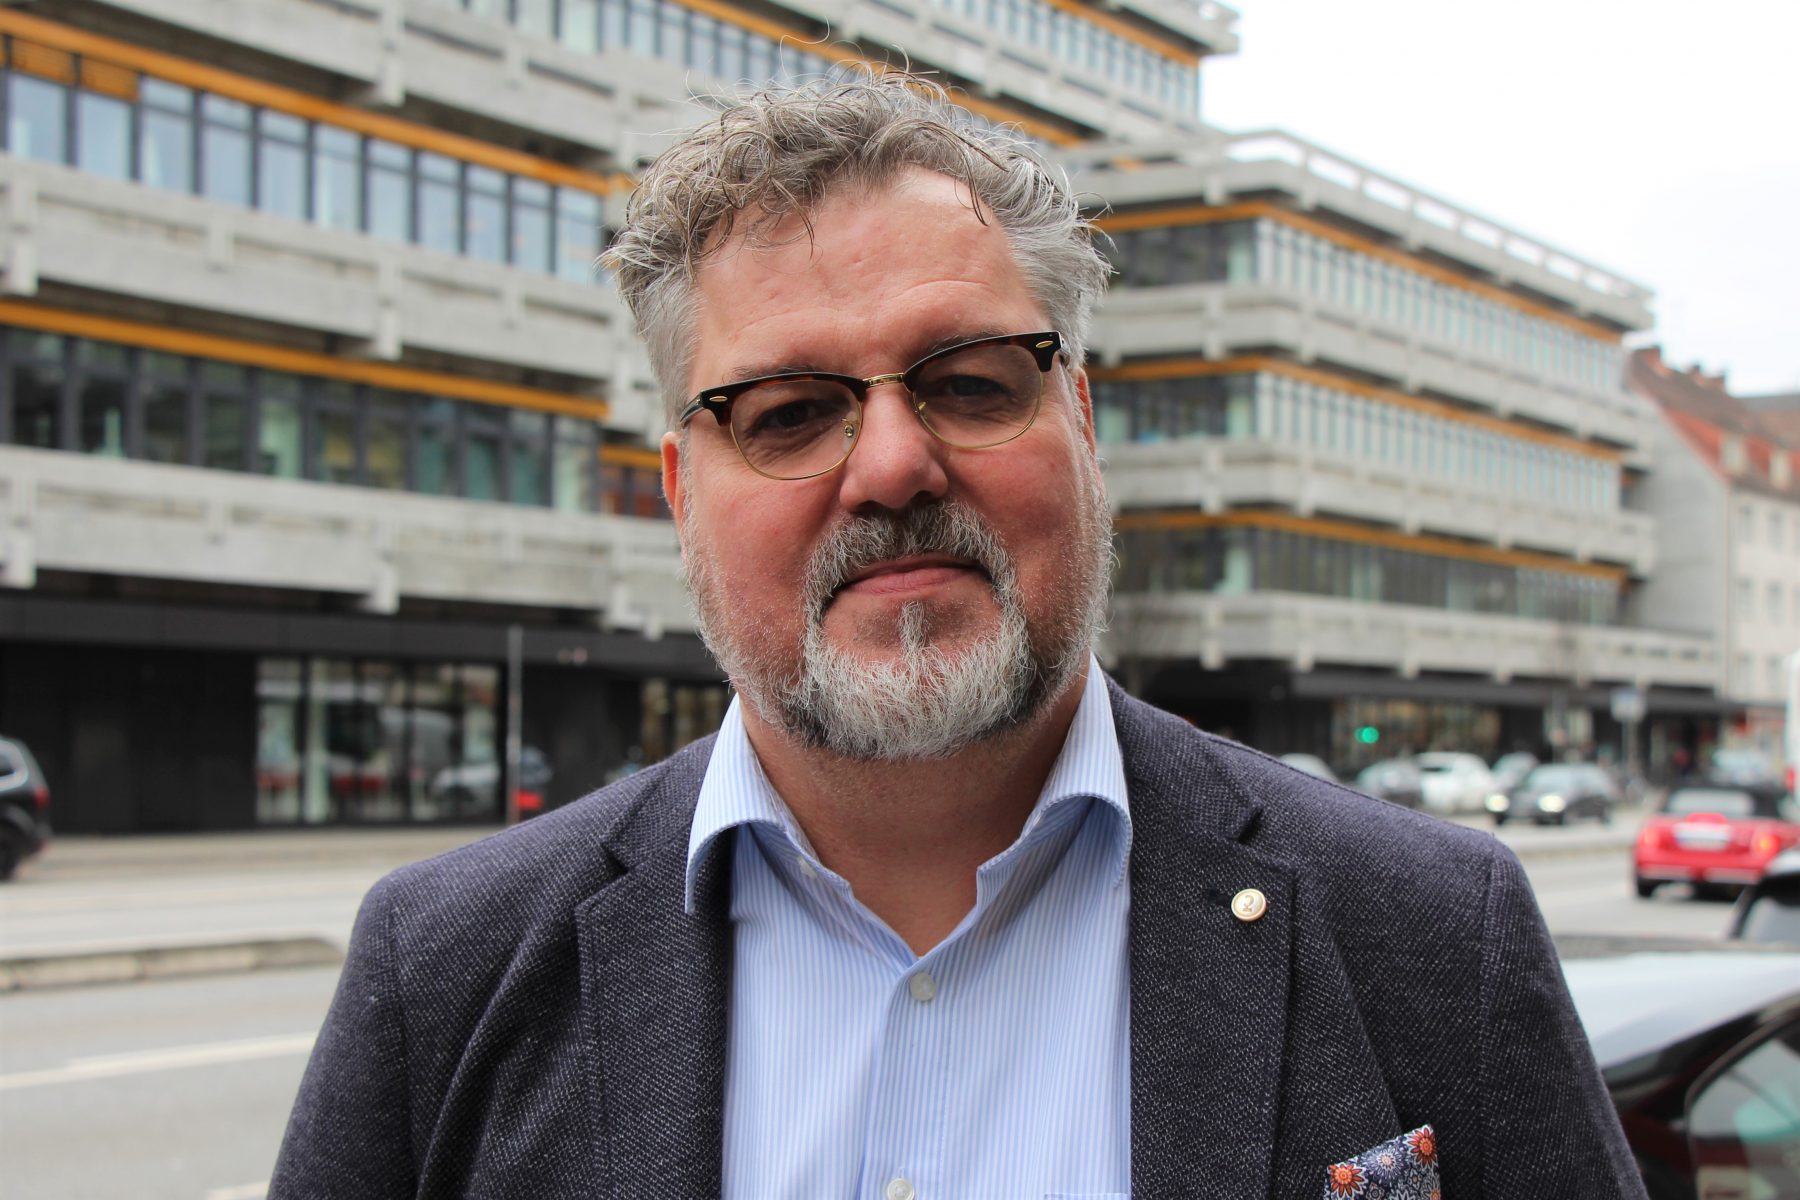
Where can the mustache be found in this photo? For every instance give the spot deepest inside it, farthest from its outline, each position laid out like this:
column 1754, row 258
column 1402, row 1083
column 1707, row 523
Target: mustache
column 947, row 527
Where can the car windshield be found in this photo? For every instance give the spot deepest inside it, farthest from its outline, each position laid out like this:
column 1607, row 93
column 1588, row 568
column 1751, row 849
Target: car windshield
column 1726, row 802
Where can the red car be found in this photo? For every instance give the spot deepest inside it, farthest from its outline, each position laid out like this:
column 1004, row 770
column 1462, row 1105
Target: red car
column 1717, row 836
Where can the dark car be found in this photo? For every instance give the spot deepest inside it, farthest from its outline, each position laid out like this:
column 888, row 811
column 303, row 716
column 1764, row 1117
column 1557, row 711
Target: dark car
column 1718, row 836
column 1557, row 793
column 1769, row 909
column 1699, row 1045
column 24, row 806
column 1397, row 780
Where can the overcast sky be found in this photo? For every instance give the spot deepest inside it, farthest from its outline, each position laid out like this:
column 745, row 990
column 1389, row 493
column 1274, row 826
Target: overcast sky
column 1658, row 140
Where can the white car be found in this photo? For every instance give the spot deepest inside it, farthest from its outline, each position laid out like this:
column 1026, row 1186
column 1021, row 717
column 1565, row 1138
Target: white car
column 1454, row 783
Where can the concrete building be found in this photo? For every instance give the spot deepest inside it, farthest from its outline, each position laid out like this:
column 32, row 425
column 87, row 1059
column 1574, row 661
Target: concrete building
column 1374, row 465
column 325, row 467
column 1726, row 494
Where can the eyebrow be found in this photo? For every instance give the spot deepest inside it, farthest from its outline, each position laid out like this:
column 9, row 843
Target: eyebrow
column 757, row 370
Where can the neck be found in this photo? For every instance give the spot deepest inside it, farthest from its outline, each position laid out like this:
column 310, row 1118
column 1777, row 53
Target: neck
column 909, row 835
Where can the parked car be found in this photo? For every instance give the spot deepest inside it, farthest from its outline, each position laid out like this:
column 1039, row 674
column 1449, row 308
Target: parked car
column 1510, row 770
column 24, row 806
column 1312, row 764
column 1396, row 780
column 1454, row 783
column 1699, row 1047
column 1769, row 909
column 1717, row 836
column 1557, row 793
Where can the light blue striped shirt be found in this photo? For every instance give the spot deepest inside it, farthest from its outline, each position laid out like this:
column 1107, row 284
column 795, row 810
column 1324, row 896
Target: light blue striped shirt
column 998, row 1065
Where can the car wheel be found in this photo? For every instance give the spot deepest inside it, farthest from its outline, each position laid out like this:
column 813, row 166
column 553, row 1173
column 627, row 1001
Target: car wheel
column 1645, row 887
column 9, row 858
column 1606, row 814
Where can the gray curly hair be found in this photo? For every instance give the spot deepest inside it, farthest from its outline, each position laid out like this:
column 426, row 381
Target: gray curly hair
column 783, row 150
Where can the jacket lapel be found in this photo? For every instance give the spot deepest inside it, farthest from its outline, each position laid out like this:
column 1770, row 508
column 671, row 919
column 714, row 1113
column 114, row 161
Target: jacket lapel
column 1209, row 991
column 655, row 982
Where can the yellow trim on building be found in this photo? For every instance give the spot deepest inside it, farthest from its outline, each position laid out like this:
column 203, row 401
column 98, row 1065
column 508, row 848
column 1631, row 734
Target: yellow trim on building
column 1187, row 368
column 1203, row 214
column 1128, row 31
column 117, row 54
column 299, row 362
column 616, row 455
column 1347, row 531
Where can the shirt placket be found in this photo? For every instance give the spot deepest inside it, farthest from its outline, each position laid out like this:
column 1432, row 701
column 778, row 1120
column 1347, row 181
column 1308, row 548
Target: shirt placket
column 903, row 1155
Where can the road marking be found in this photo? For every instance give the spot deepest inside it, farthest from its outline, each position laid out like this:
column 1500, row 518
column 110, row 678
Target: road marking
column 243, row 1191
column 138, row 1062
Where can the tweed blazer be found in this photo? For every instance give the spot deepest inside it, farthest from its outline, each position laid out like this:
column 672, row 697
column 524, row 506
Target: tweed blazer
column 536, row 1016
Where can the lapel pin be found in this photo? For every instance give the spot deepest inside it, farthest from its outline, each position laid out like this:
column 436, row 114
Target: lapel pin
column 1249, row 905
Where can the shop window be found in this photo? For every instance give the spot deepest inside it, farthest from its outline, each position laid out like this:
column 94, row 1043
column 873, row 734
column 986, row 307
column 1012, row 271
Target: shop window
column 279, row 692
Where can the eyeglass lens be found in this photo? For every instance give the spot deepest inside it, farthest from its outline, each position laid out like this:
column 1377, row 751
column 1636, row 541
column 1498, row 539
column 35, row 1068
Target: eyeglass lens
column 977, row 396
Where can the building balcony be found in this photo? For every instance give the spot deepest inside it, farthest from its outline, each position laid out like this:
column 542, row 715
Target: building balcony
column 76, row 513
column 1309, row 631
column 1220, row 168
column 63, row 226
column 1219, row 320
column 1218, row 474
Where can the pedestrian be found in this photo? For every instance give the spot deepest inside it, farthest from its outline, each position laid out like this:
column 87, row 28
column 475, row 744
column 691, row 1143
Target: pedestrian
column 940, row 911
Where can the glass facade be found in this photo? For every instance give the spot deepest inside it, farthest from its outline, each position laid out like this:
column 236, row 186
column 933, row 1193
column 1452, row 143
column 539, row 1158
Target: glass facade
column 342, row 741
column 1242, row 559
column 1275, row 253
column 68, row 393
column 113, row 122
column 1294, row 412
column 674, row 33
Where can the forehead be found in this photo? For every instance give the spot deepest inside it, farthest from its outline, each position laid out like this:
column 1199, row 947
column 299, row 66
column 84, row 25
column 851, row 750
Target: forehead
column 883, row 274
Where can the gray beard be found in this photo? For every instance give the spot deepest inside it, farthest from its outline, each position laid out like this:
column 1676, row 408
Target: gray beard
column 925, row 704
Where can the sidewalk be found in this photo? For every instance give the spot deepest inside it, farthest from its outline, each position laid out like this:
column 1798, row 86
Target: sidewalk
column 95, row 909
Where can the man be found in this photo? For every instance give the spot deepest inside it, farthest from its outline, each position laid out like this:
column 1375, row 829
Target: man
column 940, row 912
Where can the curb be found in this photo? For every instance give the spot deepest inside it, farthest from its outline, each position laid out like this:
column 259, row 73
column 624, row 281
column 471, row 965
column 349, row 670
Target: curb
column 163, row 962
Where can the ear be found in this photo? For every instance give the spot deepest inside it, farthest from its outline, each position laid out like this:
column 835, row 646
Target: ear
column 671, row 478
column 1084, row 404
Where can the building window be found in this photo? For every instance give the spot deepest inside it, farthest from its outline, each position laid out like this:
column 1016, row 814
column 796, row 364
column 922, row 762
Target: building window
column 166, row 406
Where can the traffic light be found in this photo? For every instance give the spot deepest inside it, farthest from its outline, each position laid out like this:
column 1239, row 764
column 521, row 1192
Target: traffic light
column 1368, row 735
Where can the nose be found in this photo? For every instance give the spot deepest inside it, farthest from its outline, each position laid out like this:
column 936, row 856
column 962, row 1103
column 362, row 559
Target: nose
column 896, row 461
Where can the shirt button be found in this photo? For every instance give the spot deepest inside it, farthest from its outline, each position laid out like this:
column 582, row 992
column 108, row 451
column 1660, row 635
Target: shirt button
column 923, row 987
column 900, row 1189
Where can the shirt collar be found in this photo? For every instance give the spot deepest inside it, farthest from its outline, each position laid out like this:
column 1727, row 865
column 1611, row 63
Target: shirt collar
column 736, row 792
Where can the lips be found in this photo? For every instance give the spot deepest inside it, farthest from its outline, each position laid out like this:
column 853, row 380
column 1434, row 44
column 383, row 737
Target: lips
column 913, row 573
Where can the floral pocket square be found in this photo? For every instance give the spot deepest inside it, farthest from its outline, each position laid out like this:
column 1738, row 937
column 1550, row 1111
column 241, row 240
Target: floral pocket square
column 1403, row 1169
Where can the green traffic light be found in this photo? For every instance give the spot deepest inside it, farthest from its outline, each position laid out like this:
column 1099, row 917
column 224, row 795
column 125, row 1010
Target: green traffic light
column 1368, row 735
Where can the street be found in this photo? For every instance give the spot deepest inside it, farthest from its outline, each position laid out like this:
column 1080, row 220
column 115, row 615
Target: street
column 179, row 1089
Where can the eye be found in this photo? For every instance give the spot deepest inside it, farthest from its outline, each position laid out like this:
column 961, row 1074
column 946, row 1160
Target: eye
column 790, row 410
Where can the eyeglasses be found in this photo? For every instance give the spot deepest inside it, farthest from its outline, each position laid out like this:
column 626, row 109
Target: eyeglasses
column 799, row 424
